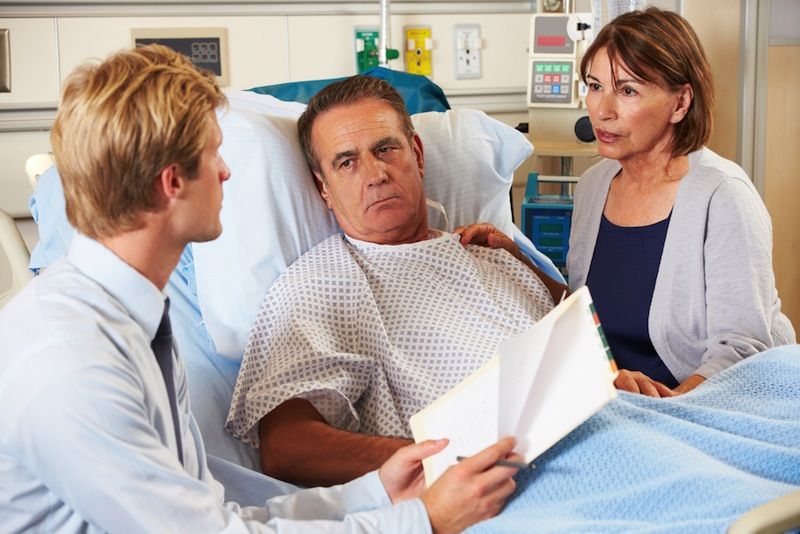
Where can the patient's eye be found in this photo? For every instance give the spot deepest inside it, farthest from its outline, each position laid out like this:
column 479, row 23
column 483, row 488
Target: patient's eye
column 346, row 164
column 594, row 86
column 627, row 90
column 387, row 152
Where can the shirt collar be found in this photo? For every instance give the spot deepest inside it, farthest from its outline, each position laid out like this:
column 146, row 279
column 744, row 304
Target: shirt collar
column 138, row 295
column 434, row 236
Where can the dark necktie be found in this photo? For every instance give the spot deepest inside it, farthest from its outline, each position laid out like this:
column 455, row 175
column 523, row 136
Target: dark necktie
column 162, row 348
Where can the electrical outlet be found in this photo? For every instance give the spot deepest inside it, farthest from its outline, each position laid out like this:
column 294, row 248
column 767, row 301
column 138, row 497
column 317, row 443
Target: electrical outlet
column 419, row 47
column 468, row 51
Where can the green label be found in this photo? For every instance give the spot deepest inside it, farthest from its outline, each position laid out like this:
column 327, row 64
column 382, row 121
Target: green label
column 366, row 49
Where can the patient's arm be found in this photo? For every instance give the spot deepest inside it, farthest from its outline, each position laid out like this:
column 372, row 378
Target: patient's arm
column 298, row 446
column 486, row 235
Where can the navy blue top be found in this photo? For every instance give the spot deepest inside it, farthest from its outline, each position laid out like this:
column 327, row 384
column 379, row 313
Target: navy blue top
column 622, row 277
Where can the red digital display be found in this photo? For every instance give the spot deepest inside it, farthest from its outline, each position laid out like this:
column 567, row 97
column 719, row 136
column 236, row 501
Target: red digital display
column 551, row 40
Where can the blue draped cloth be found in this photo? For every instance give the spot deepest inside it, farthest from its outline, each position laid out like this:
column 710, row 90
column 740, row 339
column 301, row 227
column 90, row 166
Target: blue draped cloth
column 419, row 93
column 692, row 463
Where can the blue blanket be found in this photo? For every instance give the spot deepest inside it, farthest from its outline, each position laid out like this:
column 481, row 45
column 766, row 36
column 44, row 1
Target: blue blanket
column 693, row 463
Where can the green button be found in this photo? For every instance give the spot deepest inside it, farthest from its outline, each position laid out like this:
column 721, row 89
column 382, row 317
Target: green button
column 539, row 67
column 548, row 68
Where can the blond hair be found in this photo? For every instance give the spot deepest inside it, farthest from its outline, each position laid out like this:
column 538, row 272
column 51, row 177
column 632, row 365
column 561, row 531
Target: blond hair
column 120, row 123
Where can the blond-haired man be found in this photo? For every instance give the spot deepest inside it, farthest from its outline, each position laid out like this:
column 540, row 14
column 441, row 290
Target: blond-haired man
column 96, row 433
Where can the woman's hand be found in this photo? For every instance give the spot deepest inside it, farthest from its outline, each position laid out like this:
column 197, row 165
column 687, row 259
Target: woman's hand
column 689, row 384
column 402, row 474
column 637, row 382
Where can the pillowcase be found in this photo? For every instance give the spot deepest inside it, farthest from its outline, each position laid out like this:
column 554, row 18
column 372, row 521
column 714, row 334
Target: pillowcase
column 272, row 212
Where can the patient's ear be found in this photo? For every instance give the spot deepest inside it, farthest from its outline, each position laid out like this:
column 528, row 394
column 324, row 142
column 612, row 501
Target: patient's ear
column 322, row 187
column 416, row 146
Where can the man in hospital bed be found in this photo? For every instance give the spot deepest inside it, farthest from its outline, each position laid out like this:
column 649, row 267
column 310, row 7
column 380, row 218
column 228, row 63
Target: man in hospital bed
column 96, row 432
column 369, row 327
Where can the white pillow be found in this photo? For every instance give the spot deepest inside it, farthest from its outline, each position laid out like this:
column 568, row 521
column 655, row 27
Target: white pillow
column 272, row 212
column 470, row 159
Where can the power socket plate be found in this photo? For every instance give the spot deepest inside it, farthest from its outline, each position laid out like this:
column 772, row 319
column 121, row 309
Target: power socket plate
column 468, row 47
column 418, row 50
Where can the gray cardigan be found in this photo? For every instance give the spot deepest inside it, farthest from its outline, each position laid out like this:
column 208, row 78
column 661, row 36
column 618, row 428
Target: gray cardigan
column 714, row 301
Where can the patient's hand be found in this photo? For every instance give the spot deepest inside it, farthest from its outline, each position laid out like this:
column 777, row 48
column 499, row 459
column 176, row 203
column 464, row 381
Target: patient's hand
column 402, row 474
column 486, row 235
column 637, row 382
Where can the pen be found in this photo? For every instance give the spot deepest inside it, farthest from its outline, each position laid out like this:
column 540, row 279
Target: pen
column 505, row 463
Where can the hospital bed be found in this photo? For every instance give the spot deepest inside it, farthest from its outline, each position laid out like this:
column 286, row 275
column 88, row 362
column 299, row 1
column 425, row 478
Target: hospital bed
column 678, row 479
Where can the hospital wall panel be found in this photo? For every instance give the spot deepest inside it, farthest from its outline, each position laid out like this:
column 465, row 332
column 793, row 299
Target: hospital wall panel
column 256, row 44
column 34, row 68
column 323, row 46
column 504, row 53
column 782, row 172
column 717, row 25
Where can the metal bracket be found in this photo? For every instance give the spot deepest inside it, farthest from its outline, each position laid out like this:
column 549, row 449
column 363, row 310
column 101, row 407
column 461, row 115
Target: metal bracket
column 5, row 61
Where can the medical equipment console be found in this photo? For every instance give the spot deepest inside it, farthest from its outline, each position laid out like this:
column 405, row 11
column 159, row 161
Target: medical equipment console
column 546, row 218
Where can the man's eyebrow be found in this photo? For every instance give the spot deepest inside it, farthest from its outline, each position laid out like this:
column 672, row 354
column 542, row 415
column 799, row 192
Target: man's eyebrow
column 343, row 155
column 388, row 140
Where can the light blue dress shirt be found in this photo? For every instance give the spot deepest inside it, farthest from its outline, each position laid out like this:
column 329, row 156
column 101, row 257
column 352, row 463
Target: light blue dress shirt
column 86, row 434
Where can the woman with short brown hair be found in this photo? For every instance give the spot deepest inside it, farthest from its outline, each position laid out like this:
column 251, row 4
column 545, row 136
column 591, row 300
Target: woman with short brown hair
column 673, row 240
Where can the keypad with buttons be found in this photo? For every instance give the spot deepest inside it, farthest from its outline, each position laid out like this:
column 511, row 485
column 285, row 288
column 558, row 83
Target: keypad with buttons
column 551, row 82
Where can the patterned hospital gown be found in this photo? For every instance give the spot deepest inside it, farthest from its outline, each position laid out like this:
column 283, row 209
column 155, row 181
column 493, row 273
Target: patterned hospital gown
column 370, row 334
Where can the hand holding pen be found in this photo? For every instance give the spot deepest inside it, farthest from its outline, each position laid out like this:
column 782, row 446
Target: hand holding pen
column 473, row 490
column 504, row 463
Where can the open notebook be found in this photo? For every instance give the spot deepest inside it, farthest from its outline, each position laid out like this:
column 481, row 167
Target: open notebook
column 539, row 385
